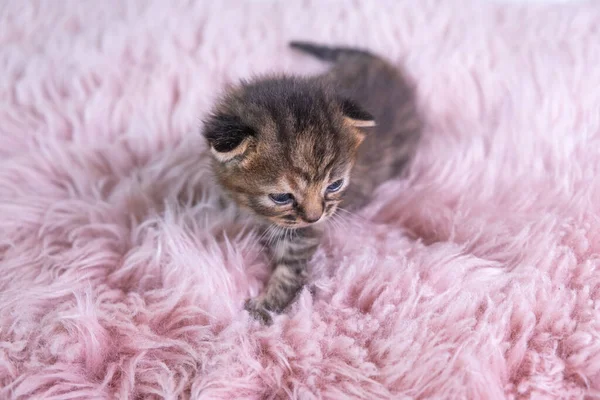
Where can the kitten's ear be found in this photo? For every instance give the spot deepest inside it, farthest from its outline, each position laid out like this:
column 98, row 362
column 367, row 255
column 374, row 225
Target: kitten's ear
column 355, row 115
column 228, row 136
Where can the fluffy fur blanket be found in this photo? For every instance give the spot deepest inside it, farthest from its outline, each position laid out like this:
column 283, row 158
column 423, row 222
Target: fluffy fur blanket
column 476, row 277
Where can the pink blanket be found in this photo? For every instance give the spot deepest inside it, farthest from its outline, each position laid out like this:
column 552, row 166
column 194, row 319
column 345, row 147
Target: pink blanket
column 477, row 277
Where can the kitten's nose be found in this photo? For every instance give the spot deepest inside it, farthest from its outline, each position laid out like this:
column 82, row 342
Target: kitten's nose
column 312, row 205
column 311, row 219
column 313, row 213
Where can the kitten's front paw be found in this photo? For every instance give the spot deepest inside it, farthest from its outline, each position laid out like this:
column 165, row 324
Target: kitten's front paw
column 258, row 310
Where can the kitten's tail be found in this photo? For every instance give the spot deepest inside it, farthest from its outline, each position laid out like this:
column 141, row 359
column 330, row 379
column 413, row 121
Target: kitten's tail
column 326, row 53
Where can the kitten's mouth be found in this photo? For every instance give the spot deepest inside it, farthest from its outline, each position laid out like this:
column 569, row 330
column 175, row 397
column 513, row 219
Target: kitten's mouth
column 299, row 223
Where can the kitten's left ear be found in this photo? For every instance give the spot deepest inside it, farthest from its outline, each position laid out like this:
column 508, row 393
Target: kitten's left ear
column 228, row 136
column 355, row 115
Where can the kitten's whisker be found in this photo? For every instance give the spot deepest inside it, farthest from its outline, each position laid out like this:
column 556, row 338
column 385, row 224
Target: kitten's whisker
column 292, row 233
column 346, row 221
column 341, row 222
column 336, row 227
column 275, row 232
column 335, row 221
column 280, row 232
column 331, row 221
column 268, row 234
column 264, row 233
column 285, row 233
column 351, row 217
column 281, row 240
column 349, row 213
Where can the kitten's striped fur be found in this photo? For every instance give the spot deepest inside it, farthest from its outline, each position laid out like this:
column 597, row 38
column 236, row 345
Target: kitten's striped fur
column 302, row 136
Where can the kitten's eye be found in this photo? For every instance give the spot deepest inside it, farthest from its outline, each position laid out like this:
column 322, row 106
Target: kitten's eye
column 335, row 186
column 281, row 198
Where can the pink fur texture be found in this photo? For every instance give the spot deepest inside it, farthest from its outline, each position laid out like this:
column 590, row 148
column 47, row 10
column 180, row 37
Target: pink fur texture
column 476, row 277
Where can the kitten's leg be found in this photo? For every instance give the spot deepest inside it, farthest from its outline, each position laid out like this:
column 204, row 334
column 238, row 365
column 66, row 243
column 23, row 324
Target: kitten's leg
column 282, row 287
column 291, row 254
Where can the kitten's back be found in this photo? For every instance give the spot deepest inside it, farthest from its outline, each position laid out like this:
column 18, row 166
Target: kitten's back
column 381, row 89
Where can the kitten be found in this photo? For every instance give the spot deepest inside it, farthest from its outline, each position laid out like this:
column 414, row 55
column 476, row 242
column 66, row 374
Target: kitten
column 291, row 150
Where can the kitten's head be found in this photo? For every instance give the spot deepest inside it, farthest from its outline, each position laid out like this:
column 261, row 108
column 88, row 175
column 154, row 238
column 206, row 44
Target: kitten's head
column 284, row 148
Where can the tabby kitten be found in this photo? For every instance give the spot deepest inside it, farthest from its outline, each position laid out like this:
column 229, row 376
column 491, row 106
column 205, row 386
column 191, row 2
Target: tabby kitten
column 291, row 150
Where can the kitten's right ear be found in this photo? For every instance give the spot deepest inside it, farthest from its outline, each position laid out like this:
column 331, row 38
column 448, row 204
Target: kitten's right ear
column 355, row 115
column 228, row 136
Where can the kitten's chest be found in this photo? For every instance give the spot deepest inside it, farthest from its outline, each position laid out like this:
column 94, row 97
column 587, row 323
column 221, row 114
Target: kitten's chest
column 291, row 244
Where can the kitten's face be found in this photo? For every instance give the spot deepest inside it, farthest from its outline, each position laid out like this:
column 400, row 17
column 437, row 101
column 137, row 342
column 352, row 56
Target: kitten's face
column 284, row 149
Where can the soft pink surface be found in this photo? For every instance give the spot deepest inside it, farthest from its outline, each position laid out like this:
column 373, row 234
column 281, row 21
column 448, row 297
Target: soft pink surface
column 477, row 277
